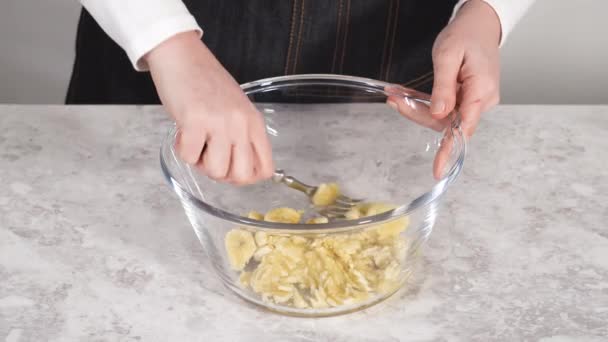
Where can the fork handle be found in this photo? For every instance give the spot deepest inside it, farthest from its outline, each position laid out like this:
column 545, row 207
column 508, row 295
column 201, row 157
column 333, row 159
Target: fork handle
column 280, row 177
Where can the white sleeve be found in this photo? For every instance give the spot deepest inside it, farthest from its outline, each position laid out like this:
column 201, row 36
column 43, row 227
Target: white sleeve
column 138, row 26
column 508, row 11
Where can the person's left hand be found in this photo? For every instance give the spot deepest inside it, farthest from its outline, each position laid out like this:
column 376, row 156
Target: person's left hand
column 466, row 65
column 466, row 75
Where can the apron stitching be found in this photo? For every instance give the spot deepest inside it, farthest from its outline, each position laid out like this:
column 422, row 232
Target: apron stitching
column 338, row 31
column 415, row 80
column 420, row 82
column 390, row 53
column 347, row 14
column 291, row 34
column 389, row 17
column 299, row 45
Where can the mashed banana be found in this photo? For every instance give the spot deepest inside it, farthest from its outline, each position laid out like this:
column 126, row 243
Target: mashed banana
column 320, row 270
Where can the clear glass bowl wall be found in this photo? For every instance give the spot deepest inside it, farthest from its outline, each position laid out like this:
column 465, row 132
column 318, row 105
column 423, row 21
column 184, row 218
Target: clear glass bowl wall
column 327, row 128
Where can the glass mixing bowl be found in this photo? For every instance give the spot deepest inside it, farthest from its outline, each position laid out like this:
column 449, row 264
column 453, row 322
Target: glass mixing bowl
column 326, row 129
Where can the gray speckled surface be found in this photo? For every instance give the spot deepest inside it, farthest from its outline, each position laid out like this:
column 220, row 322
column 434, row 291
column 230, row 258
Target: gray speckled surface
column 94, row 246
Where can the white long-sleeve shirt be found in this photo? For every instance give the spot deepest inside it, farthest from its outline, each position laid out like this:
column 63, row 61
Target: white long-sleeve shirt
column 138, row 26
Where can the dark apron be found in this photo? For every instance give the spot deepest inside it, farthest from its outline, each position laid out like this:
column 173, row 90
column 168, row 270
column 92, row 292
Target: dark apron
column 388, row 40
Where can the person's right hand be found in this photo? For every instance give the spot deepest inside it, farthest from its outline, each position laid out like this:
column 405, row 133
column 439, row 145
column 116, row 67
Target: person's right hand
column 220, row 131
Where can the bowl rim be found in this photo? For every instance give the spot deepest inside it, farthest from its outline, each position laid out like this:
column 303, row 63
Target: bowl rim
column 438, row 189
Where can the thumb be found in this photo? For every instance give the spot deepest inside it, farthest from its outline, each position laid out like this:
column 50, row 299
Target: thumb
column 446, row 66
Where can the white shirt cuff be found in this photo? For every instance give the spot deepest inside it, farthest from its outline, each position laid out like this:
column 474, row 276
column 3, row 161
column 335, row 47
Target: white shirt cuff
column 509, row 12
column 150, row 37
column 138, row 26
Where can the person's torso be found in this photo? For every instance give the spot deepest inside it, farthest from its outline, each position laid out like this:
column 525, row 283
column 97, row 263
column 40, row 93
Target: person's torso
column 381, row 39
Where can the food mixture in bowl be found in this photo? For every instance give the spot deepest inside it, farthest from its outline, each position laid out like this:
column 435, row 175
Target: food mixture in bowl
column 320, row 270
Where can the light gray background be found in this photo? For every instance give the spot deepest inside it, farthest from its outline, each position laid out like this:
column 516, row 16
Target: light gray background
column 557, row 55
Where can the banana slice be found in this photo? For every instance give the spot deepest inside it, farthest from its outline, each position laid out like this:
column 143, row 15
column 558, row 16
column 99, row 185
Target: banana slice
column 359, row 280
column 281, row 296
column 392, row 229
column 383, row 257
column 318, row 300
column 392, row 271
column 299, row 240
column 299, row 301
column 326, row 194
column 261, row 238
column 317, row 220
column 333, row 302
column 259, row 278
column 283, row 215
column 245, row 278
column 353, row 214
column 261, row 252
column 254, row 215
column 350, row 246
column 372, row 209
column 359, row 296
column 391, row 280
column 240, row 247
column 291, row 250
column 388, row 286
column 387, row 230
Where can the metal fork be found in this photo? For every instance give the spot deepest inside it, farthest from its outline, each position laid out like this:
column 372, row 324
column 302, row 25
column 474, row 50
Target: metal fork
column 337, row 210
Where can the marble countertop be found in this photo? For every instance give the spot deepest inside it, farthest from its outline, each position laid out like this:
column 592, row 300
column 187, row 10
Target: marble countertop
column 95, row 247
